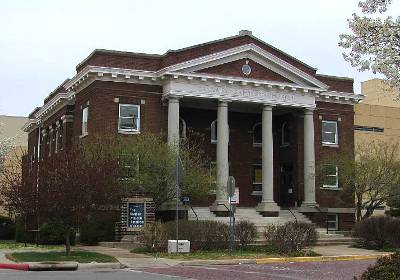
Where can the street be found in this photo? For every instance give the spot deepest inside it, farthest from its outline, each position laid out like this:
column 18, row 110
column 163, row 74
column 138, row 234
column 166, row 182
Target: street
column 278, row 271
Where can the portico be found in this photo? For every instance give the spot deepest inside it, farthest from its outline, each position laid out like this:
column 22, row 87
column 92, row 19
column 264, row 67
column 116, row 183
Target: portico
column 266, row 98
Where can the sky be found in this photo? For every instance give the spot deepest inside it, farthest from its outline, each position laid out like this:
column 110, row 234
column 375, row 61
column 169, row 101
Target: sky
column 42, row 41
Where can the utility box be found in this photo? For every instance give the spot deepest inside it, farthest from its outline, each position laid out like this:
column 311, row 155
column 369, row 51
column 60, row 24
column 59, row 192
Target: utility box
column 183, row 246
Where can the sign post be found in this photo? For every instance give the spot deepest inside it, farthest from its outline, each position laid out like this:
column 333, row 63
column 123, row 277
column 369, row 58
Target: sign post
column 179, row 173
column 231, row 192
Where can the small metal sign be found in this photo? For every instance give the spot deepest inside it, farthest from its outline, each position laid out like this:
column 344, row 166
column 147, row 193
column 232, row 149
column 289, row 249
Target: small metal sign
column 185, row 200
column 231, row 186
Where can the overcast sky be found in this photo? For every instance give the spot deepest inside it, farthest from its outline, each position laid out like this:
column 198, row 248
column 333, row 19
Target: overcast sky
column 41, row 42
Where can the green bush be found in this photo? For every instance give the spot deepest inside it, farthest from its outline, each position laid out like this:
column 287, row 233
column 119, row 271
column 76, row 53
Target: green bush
column 52, row 233
column 394, row 212
column 7, row 228
column 203, row 235
column 291, row 237
column 378, row 231
column 95, row 231
column 245, row 232
column 386, row 268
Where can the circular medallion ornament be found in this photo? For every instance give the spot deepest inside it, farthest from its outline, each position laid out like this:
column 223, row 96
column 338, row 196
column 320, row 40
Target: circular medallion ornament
column 246, row 69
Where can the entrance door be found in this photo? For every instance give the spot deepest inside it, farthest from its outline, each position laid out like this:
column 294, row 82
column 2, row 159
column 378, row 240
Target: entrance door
column 287, row 186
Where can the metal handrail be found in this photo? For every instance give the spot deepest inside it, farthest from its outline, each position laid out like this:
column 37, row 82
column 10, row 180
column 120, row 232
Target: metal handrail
column 294, row 216
column 197, row 217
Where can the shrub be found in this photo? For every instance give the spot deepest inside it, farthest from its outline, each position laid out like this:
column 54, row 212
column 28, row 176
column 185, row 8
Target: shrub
column 378, row 231
column 52, row 233
column 203, row 235
column 7, row 228
column 94, row 231
column 245, row 232
column 291, row 237
column 386, row 268
column 153, row 237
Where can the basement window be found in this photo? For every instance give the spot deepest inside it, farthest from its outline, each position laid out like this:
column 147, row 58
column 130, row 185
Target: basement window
column 332, row 221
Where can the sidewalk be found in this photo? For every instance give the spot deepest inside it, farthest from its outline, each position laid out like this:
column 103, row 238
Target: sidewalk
column 131, row 260
column 328, row 253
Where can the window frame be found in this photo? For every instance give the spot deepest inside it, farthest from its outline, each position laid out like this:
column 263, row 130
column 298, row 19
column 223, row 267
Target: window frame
column 284, row 126
column 336, row 175
column 84, row 122
column 182, row 134
column 257, row 144
column 336, row 133
column 213, row 132
column 254, row 184
column 128, row 131
column 330, row 221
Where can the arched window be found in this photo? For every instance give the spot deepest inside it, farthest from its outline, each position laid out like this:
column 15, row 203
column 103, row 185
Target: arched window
column 285, row 134
column 182, row 128
column 214, row 131
column 257, row 134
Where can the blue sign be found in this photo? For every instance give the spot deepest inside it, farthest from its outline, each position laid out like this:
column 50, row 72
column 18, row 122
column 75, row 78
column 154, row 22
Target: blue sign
column 136, row 215
column 185, row 200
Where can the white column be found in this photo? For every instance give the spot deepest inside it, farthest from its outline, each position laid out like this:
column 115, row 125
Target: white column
column 173, row 121
column 309, row 159
column 267, row 206
column 222, row 157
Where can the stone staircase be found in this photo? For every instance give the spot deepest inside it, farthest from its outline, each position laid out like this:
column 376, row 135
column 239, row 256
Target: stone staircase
column 250, row 214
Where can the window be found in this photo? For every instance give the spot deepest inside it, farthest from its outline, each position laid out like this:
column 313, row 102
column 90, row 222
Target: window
column 214, row 131
column 285, row 134
column 129, row 118
column 257, row 177
column 85, row 112
column 182, row 128
column 257, row 134
column 329, row 132
column 60, row 137
column 330, row 176
column 332, row 221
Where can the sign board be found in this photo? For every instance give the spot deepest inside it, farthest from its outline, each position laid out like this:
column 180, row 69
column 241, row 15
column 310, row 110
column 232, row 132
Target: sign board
column 185, row 200
column 136, row 215
column 235, row 198
column 231, row 186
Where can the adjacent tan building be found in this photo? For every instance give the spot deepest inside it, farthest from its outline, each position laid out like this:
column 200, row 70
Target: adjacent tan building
column 378, row 116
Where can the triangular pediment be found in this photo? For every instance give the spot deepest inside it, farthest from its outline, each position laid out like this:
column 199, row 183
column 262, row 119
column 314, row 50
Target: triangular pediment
column 264, row 65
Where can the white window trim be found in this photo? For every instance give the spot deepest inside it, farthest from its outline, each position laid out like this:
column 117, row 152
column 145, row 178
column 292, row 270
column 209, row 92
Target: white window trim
column 283, row 143
column 213, row 127
column 84, row 127
column 128, row 131
column 183, row 136
column 257, row 144
column 255, row 183
column 336, row 133
column 336, row 222
column 336, row 186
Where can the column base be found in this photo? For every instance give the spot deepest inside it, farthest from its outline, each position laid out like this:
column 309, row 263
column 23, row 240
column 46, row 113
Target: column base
column 219, row 209
column 308, row 207
column 268, row 209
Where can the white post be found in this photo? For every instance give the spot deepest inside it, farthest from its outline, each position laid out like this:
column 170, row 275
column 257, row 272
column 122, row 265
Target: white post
column 222, row 157
column 173, row 121
column 267, row 206
column 309, row 159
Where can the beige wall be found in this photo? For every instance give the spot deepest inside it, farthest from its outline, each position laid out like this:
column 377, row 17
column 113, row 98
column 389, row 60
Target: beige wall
column 379, row 109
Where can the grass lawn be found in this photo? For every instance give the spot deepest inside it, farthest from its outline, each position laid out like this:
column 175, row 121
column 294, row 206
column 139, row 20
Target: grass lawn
column 59, row 256
column 11, row 244
column 255, row 252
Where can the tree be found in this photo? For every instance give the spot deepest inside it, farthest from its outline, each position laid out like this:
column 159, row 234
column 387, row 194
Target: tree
column 66, row 186
column 6, row 145
column 374, row 43
column 372, row 174
column 148, row 166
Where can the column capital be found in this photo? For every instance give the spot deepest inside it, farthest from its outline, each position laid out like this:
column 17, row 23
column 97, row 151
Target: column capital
column 309, row 110
column 267, row 107
column 173, row 98
column 224, row 101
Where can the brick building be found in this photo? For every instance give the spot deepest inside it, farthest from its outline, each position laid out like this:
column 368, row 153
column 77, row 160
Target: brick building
column 269, row 119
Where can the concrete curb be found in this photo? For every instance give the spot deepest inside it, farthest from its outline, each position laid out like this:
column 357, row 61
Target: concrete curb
column 88, row 266
column 56, row 266
column 14, row 266
column 320, row 258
